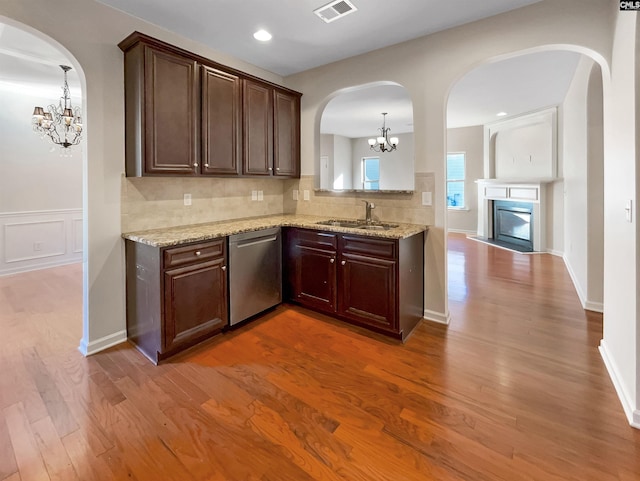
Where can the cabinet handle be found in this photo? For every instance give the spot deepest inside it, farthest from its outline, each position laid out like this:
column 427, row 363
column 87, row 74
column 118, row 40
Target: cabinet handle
column 343, row 262
column 224, row 268
column 198, row 253
column 195, row 164
column 332, row 260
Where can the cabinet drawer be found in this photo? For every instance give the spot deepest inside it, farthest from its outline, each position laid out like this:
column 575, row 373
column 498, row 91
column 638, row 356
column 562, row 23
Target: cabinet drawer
column 368, row 246
column 180, row 256
column 320, row 240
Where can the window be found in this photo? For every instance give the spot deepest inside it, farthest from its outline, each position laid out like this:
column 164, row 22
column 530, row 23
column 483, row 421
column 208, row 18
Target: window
column 455, row 180
column 371, row 173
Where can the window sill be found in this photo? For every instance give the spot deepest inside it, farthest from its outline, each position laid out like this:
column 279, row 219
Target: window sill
column 459, row 209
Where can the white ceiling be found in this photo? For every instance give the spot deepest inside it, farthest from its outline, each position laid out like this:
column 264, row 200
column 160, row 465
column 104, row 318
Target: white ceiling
column 32, row 66
column 302, row 41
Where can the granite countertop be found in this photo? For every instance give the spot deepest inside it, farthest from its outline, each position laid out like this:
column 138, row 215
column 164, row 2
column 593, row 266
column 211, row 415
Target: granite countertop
column 171, row 236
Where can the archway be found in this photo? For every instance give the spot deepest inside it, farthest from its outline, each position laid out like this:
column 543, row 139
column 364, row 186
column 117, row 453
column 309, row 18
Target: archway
column 46, row 185
column 572, row 219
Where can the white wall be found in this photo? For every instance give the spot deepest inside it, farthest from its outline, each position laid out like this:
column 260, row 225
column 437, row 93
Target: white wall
column 582, row 159
column 396, row 167
column 342, row 163
column 40, row 190
column 620, row 343
column 469, row 140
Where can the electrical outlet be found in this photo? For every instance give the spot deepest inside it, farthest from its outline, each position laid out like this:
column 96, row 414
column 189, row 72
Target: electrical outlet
column 306, row 195
column 254, row 195
column 426, row 198
column 187, row 199
column 295, row 194
column 260, row 195
column 37, row 246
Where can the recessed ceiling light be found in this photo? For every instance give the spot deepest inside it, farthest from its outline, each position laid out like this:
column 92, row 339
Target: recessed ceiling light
column 262, row 35
column 501, row 114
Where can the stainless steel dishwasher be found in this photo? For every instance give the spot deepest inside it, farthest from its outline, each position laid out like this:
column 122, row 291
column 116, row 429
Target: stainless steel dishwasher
column 255, row 273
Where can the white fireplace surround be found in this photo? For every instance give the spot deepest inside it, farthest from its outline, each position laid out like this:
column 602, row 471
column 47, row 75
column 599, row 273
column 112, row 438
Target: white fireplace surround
column 533, row 191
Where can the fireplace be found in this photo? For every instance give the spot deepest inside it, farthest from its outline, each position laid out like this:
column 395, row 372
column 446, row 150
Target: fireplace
column 513, row 223
column 513, row 213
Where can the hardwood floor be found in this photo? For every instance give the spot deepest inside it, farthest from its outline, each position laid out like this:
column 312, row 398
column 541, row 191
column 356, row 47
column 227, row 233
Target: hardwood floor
column 513, row 389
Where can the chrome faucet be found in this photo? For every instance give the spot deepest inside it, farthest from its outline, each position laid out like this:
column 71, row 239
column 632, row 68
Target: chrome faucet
column 368, row 206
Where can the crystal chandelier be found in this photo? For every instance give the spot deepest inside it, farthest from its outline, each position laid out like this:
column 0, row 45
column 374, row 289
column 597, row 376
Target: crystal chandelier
column 383, row 143
column 61, row 123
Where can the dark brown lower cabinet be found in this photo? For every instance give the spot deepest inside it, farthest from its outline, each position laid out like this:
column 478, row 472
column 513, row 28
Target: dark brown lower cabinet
column 369, row 281
column 176, row 296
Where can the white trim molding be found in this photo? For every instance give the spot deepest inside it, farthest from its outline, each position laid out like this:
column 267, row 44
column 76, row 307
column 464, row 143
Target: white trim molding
column 93, row 347
column 461, row 231
column 586, row 303
column 633, row 414
column 39, row 239
column 439, row 317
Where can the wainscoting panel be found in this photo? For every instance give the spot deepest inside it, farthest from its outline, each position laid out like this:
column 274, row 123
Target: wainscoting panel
column 37, row 240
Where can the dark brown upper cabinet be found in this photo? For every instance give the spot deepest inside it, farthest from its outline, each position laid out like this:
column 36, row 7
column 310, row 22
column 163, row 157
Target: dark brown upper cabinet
column 221, row 122
column 186, row 115
column 258, row 128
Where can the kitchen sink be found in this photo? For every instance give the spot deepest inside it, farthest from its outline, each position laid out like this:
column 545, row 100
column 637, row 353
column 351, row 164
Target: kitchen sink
column 377, row 226
column 342, row 223
column 357, row 224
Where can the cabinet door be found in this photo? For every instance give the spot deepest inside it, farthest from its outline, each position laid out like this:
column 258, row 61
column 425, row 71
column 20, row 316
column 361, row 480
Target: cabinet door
column 368, row 290
column 221, row 123
column 315, row 278
column 257, row 128
column 286, row 131
column 195, row 302
column 171, row 114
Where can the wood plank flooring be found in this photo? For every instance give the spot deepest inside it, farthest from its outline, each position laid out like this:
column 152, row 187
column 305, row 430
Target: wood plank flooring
column 513, row 389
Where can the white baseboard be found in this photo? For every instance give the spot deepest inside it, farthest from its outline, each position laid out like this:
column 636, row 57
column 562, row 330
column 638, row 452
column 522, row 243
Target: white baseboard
column 40, row 265
column 557, row 253
column 93, row 347
column 462, row 231
column 633, row 415
column 586, row 303
column 439, row 317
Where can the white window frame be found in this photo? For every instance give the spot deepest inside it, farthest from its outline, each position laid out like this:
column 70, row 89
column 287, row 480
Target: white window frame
column 463, row 181
column 362, row 162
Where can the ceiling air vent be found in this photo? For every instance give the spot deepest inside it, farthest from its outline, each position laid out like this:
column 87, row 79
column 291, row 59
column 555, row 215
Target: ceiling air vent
column 335, row 10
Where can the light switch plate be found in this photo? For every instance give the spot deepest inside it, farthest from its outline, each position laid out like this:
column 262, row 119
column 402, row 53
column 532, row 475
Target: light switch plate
column 306, row 195
column 260, row 195
column 187, row 199
column 254, row 195
column 628, row 210
column 426, row 198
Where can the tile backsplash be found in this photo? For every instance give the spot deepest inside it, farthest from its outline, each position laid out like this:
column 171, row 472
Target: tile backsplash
column 157, row 202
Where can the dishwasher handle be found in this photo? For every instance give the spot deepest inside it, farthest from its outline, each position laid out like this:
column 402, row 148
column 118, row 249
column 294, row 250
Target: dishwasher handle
column 254, row 241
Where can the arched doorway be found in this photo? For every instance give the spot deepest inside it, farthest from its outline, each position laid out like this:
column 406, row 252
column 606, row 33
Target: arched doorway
column 566, row 86
column 43, row 201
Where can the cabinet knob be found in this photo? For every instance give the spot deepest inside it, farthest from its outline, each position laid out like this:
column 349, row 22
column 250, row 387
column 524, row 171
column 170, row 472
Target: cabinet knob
column 195, row 164
column 277, row 168
column 332, row 260
column 224, row 268
column 206, row 165
column 270, row 169
column 343, row 262
column 198, row 253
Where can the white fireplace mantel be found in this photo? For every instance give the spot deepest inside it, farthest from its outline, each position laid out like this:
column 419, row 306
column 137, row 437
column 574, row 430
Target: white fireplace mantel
column 515, row 190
